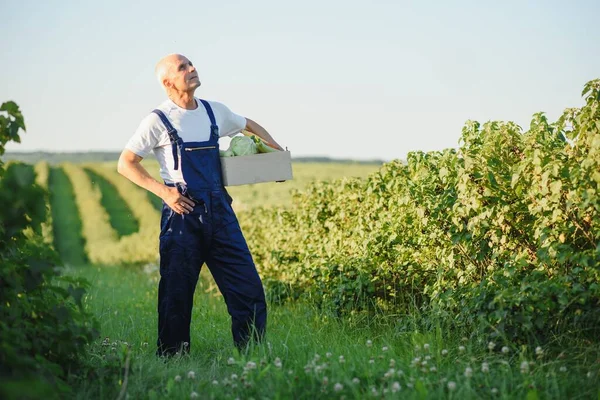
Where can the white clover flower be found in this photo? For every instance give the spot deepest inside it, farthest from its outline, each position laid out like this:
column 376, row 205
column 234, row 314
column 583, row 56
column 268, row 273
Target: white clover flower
column 485, row 368
column 177, row 378
column 390, row 373
column 338, row 387
column 317, row 357
column 539, row 351
column 277, row 362
column 191, row 375
column 524, row 367
column 433, row 369
column 384, row 349
column 250, row 365
column 194, row 395
column 234, row 377
column 400, row 372
column 318, row 368
column 392, row 363
column 563, row 369
column 231, row 361
column 396, row 387
column 491, row 346
column 373, row 391
column 369, row 343
column 427, row 358
column 461, row 349
column 356, row 381
column 307, row 368
column 328, row 355
column 505, row 350
column 371, row 361
column 589, row 374
column 325, row 380
column 410, row 385
column 451, row 386
column 215, row 382
column 468, row 372
column 494, row 391
column 426, row 346
column 342, row 359
column 444, row 352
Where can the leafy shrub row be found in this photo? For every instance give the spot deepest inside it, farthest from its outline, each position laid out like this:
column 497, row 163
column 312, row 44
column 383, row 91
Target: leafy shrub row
column 43, row 326
column 504, row 230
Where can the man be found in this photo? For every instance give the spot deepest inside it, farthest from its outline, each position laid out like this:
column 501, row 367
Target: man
column 198, row 224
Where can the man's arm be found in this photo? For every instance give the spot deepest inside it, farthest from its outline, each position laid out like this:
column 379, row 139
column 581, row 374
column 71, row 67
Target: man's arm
column 261, row 132
column 131, row 168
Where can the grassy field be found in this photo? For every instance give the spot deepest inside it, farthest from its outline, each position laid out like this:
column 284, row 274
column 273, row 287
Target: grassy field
column 308, row 353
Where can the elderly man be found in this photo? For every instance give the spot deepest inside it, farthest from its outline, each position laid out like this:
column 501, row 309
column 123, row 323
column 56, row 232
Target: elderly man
column 198, row 224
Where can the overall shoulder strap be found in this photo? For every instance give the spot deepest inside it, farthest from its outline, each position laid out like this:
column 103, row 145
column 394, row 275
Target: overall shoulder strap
column 173, row 136
column 214, row 129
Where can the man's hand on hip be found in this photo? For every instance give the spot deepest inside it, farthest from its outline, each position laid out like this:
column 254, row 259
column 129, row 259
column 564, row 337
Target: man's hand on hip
column 178, row 203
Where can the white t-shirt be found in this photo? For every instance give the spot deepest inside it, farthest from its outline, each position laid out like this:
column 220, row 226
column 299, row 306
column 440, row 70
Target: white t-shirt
column 191, row 126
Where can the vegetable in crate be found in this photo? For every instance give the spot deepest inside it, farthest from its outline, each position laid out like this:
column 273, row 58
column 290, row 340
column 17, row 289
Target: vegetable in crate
column 261, row 146
column 244, row 145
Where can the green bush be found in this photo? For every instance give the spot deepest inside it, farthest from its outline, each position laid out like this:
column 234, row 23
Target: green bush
column 43, row 327
column 504, row 231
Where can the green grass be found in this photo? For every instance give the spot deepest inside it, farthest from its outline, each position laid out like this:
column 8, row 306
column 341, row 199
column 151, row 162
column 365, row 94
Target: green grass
column 120, row 215
column 301, row 356
column 66, row 222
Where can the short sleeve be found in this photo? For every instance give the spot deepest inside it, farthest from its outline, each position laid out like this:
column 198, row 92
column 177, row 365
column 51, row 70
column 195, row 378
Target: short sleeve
column 146, row 137
column 231, row 123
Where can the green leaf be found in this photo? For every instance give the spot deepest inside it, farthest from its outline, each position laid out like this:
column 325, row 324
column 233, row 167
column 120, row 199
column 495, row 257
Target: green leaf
column 421, row 390
column 10, row 106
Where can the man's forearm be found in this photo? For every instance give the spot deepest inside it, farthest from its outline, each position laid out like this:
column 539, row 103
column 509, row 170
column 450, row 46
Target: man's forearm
column 137, row 174
column 262, row 133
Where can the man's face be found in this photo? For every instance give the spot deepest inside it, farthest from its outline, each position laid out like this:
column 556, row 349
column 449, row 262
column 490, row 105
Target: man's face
column 183, row 75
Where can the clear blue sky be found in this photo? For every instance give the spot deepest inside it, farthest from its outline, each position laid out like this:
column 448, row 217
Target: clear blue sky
column 352, row 79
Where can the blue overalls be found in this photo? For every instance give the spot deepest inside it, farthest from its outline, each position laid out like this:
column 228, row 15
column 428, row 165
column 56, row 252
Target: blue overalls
column 209, row 234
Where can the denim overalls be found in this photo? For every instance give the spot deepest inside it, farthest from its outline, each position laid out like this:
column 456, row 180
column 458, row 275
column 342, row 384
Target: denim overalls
column 209, row 234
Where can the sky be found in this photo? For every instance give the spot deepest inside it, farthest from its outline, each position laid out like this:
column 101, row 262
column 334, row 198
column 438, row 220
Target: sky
column 343, row 79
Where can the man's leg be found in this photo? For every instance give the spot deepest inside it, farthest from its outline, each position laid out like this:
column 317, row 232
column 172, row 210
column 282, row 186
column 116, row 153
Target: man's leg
column 233, row 269
column 180, row 262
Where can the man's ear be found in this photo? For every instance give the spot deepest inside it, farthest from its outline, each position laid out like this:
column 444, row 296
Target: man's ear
column 166, row 83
